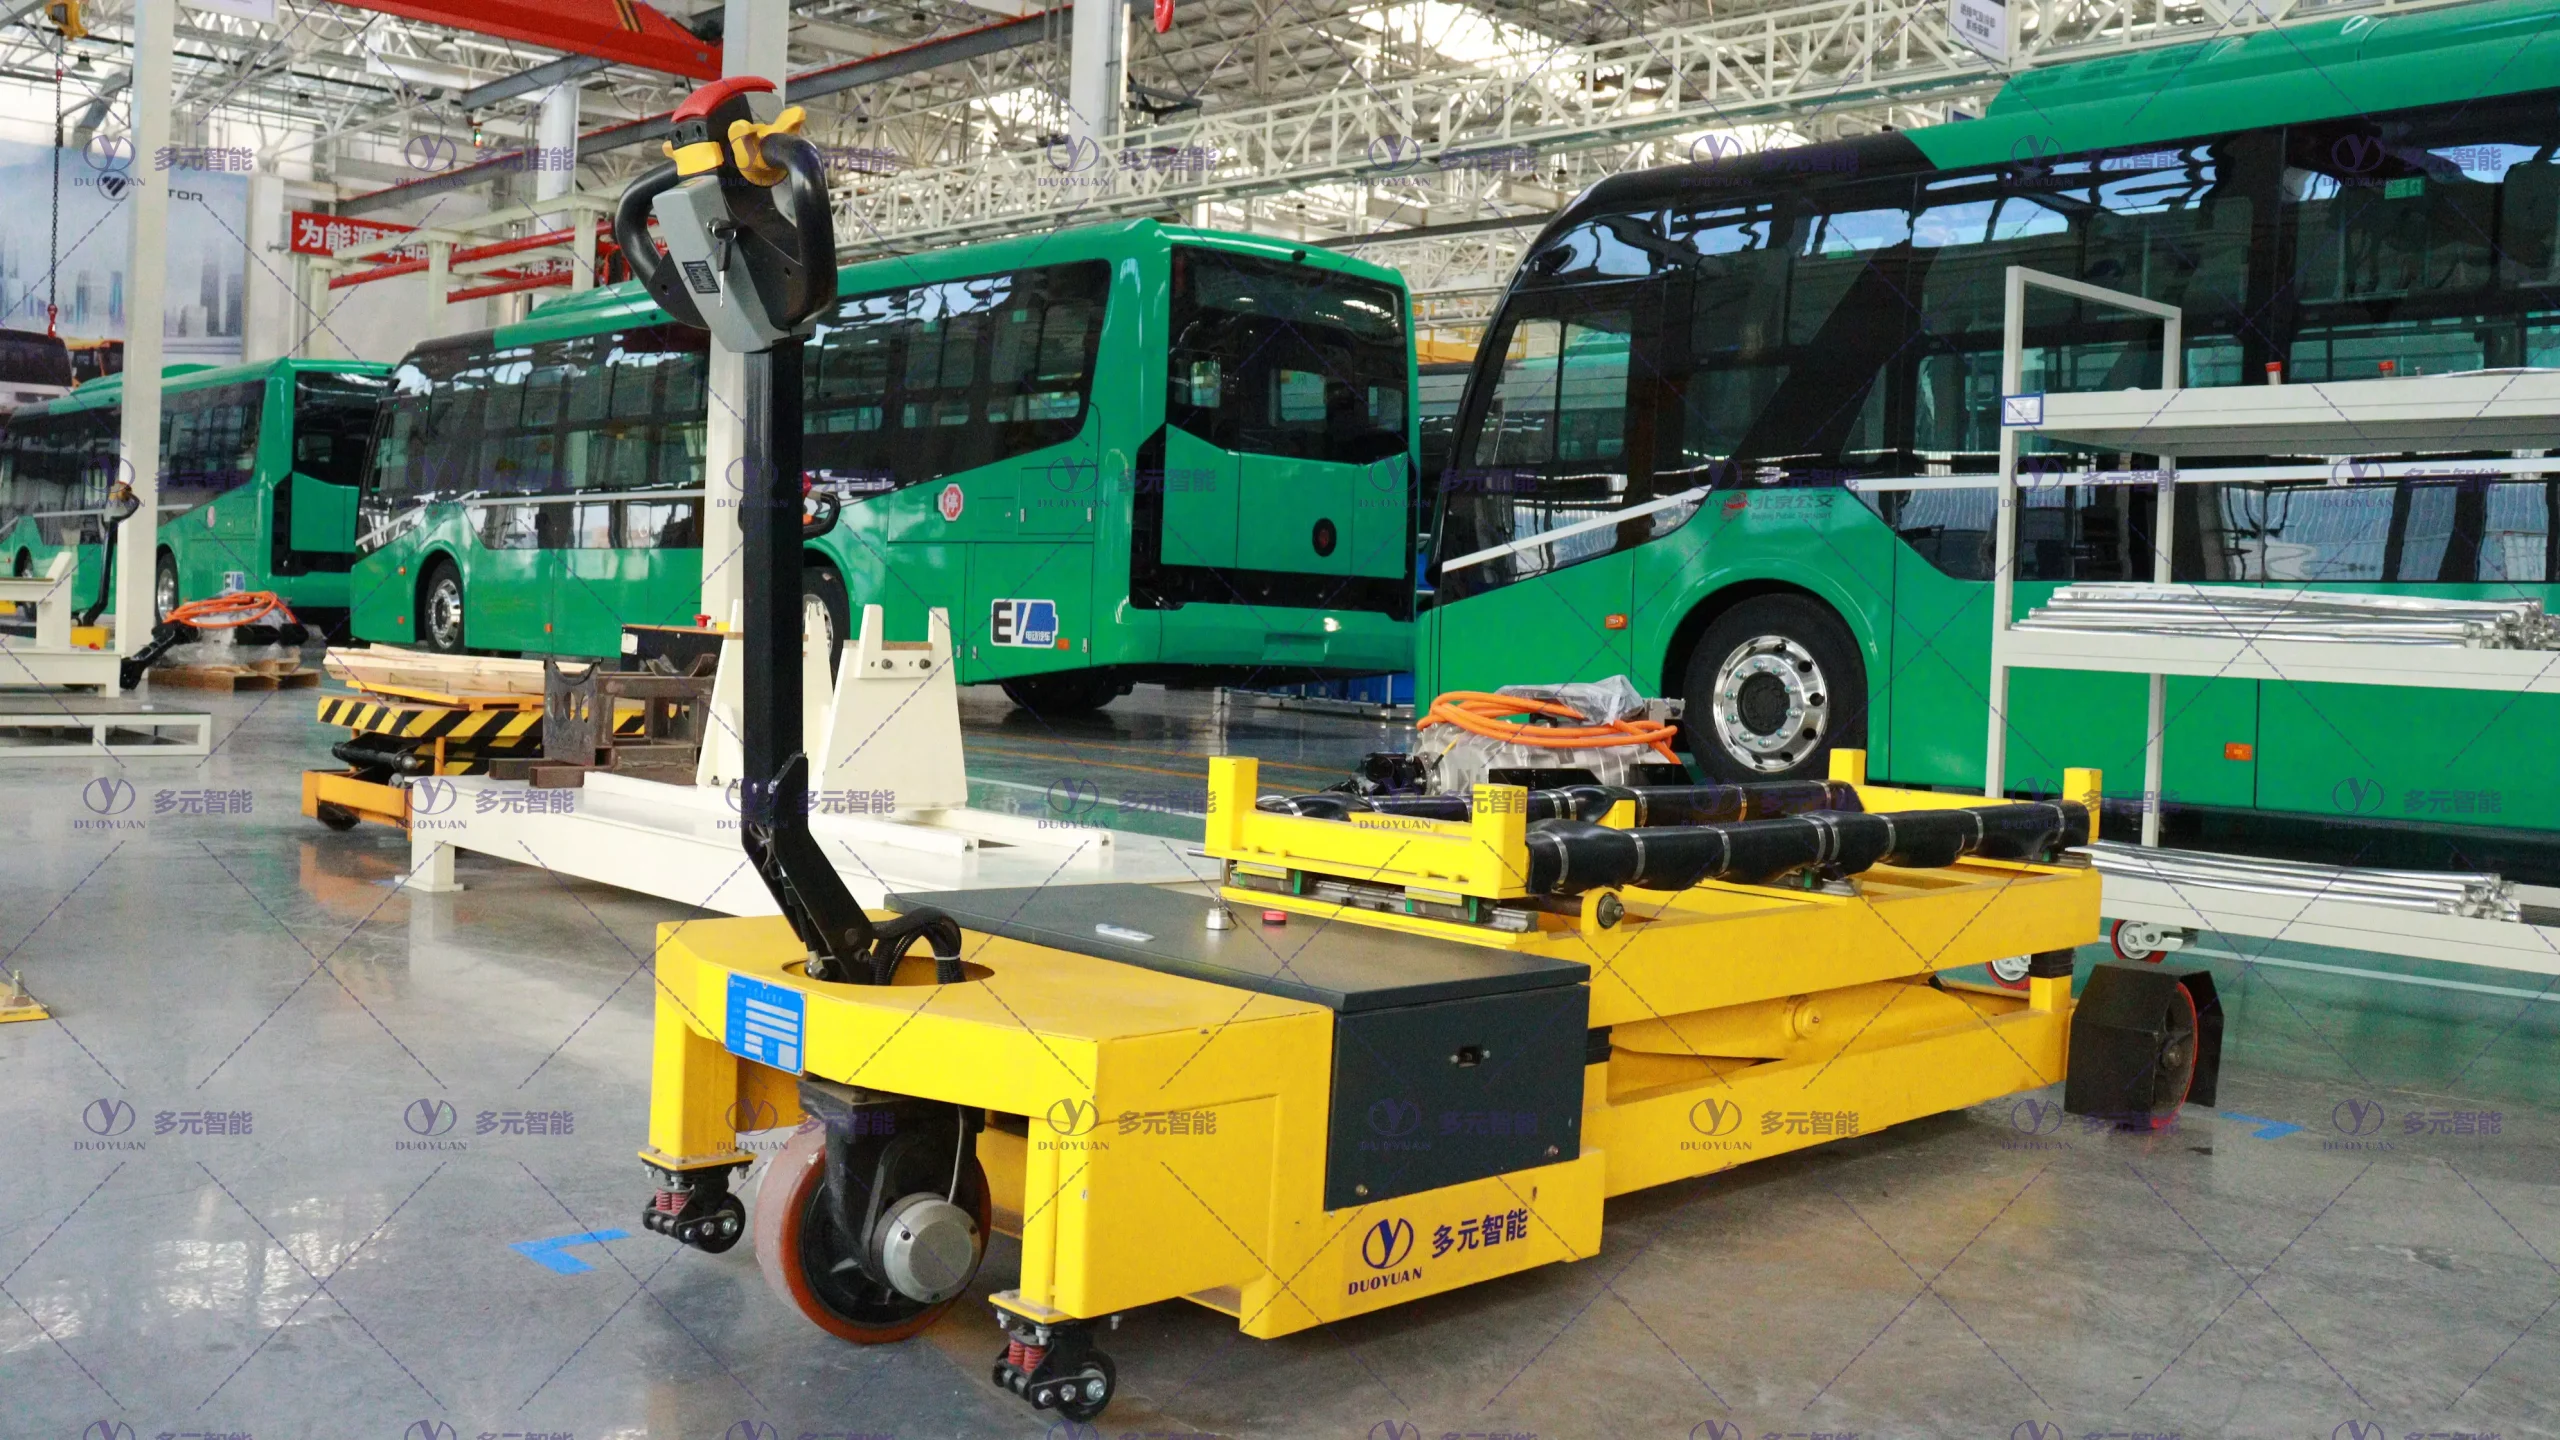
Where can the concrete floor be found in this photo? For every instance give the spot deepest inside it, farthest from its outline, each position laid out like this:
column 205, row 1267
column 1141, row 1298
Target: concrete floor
column 2290, row 1265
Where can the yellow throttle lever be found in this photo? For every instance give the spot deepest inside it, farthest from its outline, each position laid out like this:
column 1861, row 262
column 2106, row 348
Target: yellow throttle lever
column 746, row 145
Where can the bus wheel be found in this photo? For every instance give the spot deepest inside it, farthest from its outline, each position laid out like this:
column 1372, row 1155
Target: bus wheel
column 164, row 587
column 1774, row 684
column 1071, row 692
column 440, row 609
column 821, row 583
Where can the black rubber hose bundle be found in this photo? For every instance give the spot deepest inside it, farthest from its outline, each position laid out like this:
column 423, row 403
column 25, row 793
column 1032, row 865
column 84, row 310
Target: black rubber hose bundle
column 1655, row 804
column 1567, row 857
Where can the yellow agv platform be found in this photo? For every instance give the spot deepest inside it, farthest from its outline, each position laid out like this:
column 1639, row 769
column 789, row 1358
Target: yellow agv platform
column 1395, row 1054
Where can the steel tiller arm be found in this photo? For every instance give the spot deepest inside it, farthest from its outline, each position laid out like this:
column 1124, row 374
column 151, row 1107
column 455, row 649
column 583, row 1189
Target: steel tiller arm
column 741, row 206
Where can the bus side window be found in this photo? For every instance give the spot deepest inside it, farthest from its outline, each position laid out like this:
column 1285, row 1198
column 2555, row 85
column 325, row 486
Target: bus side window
column 2515, row 541
column 1520, row 418
column 846, row 392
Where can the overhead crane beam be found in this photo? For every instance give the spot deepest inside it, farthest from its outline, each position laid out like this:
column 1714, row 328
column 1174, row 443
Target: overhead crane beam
column 1788, row 64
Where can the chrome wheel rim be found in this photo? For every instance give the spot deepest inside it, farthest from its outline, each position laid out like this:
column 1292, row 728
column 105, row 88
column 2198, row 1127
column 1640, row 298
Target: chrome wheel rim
column 1771, row 705
column 444, row 614
column 164, row 593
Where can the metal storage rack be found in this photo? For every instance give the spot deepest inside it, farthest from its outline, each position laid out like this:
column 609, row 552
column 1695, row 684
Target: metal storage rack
column 2512, row 410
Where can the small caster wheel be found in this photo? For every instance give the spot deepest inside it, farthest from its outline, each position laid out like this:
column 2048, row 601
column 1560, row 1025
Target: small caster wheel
column 2142, row 941
column 717, row 1230
column 336, row 816
column 1083, row 1395
column 2012, row 971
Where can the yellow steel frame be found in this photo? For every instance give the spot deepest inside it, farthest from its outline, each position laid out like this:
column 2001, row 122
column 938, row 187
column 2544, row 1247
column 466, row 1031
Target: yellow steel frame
column 1745, row 1022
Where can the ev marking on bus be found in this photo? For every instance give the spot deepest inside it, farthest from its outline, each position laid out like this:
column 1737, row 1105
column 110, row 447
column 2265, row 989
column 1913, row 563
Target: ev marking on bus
column 950, row 502
column 1028, row 624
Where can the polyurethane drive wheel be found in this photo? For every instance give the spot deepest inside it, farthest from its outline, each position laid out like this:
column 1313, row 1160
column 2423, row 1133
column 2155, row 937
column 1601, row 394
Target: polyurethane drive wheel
column 800, row 1252
column 2173, row 1075
column 1773, row 686
column 2011, row 971
column 336, row 816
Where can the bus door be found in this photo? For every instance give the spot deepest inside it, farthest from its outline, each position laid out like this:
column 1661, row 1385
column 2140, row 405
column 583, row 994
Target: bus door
column 1559, row 442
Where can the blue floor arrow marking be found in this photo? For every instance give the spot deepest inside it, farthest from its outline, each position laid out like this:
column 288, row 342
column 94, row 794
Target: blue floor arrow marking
column 2267, row 1129
column 549, row 1253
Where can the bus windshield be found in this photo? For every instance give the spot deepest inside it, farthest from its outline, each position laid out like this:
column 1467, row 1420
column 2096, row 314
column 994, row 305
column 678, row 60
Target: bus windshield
column 333, row 417
column 1282, row 359
column 31, row 359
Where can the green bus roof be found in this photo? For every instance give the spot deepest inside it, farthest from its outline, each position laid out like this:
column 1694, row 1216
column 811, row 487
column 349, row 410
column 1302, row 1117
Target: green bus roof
column 2315, row 70
column 628, row 303
column 109, row 389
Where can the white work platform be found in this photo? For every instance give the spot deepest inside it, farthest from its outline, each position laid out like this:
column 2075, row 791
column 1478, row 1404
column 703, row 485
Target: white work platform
column 682, row 843
column 2484, row 410
column 45, row 725
column 2342, row 924
column 2266, row 657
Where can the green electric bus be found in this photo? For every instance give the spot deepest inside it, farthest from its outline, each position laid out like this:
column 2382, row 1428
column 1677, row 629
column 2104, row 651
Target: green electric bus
column 259, row 466
column 1114, row 453
column 1733, row 427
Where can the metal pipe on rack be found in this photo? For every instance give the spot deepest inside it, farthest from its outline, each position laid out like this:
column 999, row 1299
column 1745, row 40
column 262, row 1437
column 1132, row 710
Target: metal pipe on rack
column 2479, row 896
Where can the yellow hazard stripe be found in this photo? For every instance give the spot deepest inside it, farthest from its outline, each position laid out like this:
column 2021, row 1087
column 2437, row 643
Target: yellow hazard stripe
column 441, row 723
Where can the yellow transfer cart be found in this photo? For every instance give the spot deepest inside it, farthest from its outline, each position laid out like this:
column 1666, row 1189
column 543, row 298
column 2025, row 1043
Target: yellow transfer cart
column 1393, row 1055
